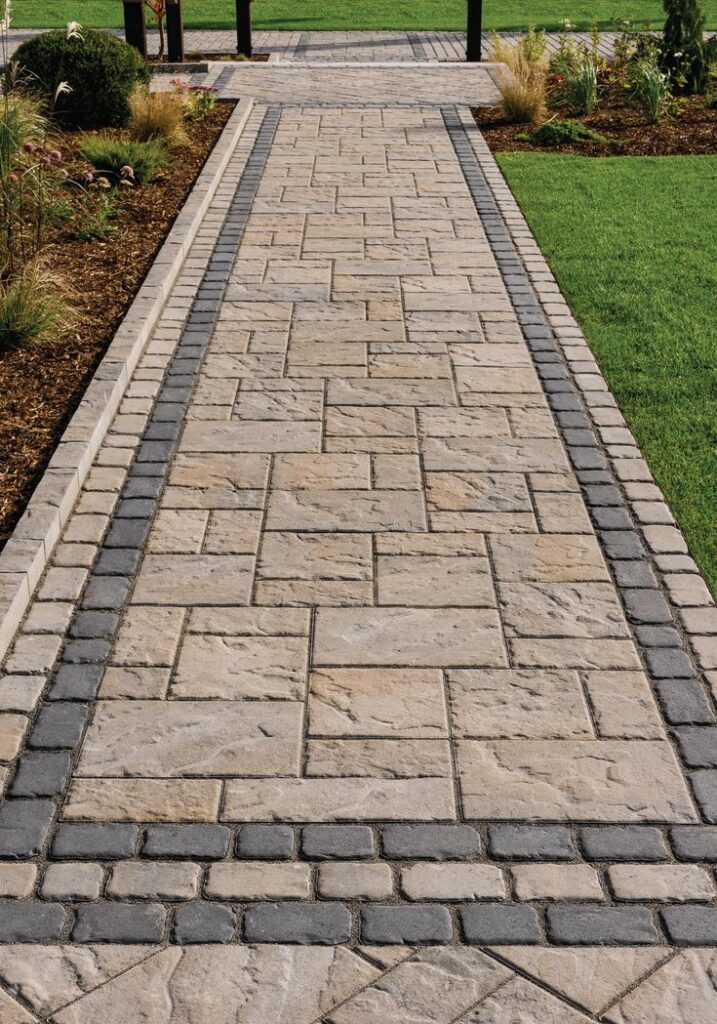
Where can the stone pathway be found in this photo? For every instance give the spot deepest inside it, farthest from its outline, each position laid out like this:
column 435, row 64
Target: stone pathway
column 356, row 690
column 396, row 46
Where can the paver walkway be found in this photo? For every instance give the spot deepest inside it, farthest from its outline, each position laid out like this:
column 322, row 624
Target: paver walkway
column 396, row 46
column 340, row 716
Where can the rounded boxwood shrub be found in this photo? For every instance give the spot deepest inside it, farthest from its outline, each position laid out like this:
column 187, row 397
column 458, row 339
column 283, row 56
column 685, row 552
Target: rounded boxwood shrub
column 101, row 70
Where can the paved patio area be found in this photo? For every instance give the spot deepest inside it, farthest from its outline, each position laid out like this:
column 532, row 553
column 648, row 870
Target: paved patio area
column 359, row 688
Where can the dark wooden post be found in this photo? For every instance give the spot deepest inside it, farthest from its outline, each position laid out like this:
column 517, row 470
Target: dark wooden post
column 175, row 32
column 474, row 30
column 134, row 28
column 243, row 8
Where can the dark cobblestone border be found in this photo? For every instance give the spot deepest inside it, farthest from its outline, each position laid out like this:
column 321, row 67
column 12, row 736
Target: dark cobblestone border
column 485, row 923
column 491, row 843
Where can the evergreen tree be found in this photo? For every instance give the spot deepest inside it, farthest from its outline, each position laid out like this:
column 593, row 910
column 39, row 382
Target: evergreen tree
column 683, row 49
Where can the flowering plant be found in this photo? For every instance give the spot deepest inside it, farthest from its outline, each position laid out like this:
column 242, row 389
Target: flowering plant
column 199, row 100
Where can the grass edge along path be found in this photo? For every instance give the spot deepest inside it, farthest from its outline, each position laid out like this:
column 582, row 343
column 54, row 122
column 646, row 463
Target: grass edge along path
column 322, row 15
column 632, row 242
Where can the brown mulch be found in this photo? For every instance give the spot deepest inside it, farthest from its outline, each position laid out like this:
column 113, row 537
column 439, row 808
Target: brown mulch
column 40, row 387
column 692, row 130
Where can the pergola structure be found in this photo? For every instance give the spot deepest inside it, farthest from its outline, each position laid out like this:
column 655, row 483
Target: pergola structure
column 136, row 35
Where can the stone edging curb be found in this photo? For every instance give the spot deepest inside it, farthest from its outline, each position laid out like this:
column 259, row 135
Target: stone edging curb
column 24, row 557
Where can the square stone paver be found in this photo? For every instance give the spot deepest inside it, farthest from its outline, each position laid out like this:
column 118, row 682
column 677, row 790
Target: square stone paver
column 543, row 780
column 377, row 702
column 239, row 667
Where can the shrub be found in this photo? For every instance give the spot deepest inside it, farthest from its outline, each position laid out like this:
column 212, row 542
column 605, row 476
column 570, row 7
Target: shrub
column 683, row 50
column 531, row 46
column 136, row 161
column 522, row 84
column 650, row 88
column 580, row 86
column 100, row 70
column 711, row 53
column 31, row 309
column 568, row 54
column 560, row 132
column 157, row 115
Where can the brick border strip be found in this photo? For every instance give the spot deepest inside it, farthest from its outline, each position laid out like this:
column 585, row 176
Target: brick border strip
column 607, row 461
column 27, row 552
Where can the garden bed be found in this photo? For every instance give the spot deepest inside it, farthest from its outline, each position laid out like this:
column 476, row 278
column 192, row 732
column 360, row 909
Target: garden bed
column 41, row 386
column 692, row 130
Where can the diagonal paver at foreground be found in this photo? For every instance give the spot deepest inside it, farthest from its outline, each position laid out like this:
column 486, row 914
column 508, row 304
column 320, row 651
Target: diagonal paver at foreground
column 351, row 674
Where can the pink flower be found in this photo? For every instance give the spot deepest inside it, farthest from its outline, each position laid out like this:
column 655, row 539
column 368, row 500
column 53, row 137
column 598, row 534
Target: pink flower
column 12, row 177
column 56, row 156
column 87, row 177
column 29, row 147
column 40, row 149
column 46, row 162
column 127, row 171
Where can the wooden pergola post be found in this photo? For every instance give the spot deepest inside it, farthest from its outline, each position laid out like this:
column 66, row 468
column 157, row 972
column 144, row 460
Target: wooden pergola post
column 135, row 31
column 474, row 31
column 175, row 32
column 243, row 9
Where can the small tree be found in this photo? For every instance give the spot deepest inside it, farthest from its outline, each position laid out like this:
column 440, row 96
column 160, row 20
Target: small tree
column 683, row 49
column 158, row 11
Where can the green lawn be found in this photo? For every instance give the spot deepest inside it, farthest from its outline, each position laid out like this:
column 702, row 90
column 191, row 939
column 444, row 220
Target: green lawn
column 633, row 244
column 356, row 14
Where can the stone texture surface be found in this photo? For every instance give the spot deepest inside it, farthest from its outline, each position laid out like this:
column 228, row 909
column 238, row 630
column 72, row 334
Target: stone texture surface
column 542, row 780
column 592, row 977
column 432, row 987
column 683, row 989
column 371, row 593
column 252, row 985
column 519, row 1000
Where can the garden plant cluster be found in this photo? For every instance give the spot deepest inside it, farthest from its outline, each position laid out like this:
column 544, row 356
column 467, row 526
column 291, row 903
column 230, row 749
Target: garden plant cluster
column 78, row 128
column 93, row 171
column 656, row 79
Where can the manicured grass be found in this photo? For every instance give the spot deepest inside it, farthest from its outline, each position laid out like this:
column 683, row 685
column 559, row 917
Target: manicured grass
column 633, row 244
column 357, row 14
